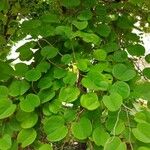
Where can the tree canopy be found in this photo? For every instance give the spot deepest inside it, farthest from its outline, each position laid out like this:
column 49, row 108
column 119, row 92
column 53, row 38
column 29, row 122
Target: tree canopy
column 83, row 88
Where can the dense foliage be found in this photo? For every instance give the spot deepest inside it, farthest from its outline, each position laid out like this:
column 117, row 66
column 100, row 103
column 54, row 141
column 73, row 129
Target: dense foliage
column 83, row 89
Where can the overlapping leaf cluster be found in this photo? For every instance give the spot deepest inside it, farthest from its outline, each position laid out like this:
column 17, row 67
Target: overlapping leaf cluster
column 82, row 85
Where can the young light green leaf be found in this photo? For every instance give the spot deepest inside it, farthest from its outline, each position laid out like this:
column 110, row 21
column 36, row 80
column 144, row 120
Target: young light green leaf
column 122, row 72
column 100, row 54
column 113, row 102
column 33, row 75
column 90, row 101
column 26, row 137
column 53, row 126
column 100, row 136
column 5, row 142
column 142, row 132
column 30, row 103
column 68, row 94
column 82, row 129
column 121, row 88
column 18, row 87
column 80, row 24
column 49, row 52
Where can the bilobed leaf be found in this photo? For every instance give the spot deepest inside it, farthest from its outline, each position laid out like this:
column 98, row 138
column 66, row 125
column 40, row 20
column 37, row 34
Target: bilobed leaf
column 26, row 120
column 26, row 137
column 115, row 144
column 5, row 142
column 49, row 52
column 30, row 103
column 80, row 24
column 6, row 108
column 143, row 148
column 70, row 78
column 100, row 136
column 89, row 101
column 18, row 87
column 122, row 72
column 46, row 95
column 32, row 75
column 121, row 88
column 45, row 83
column 53, row 126
column 68, row 94
column 88, row 37
column 112, row 102
column 82, row 129
column 142, row 132
column 59, row 73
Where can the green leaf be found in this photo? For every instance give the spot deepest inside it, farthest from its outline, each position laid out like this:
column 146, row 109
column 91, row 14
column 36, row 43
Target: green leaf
column 136, row 50
column 89, row 101
column 121, row 88
column 25, row 54
column 70, row 78
column 53, row 126
column 142, row 132
column 21, row 69
column 100, row 136
column 70, row 3
column 26, row 137
column 26, row 120
column 45, row 83
column 45, row 147
column 103, row 30
column 18, row 87
column 50, row 18
column 49, row 52
column 95, row 81
column 88, row 37
column 30, row 24
column 82, row 129
column 67, row 58
column 115, row 144
column 6, row 108
column 146, row 72
column 6, row 71
column 46, row 95
column 120, row 56
column 3, row 91
column 143, row 148
column 100, row 54
column 83, row 64
column 112, row 102
column 147, row 58
column 64, row 31
column 85, row 15
column 141, row 90
column 33, row 75
column 30, row 103
column 43, row 66
column 122, row 72
column 80, row 24
column 59, row 73
column 68, row 94
column 5, row 142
